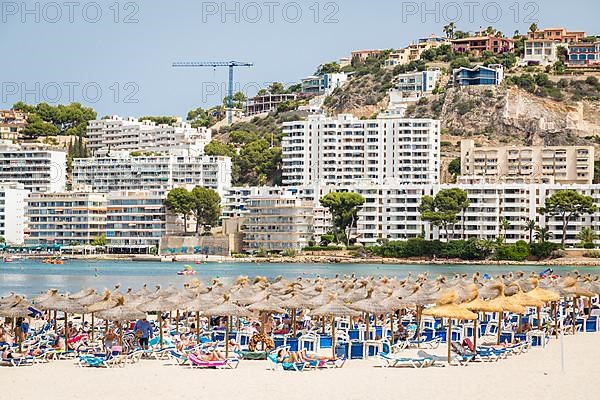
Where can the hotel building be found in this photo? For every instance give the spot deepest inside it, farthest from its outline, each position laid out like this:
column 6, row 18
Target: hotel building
column 35, row 166
column 12, row 213
column 478, row 44
column 135, row 221
column 542, row 51
column 122, row 172
column 413, row 51
column 560, row 35
column 414, row 85
column 278, row 222
column 129, row 134
column 337, row 151
column 65, row 219
column 11, row 124
column 584, row 55
column 323, row 84
column 533, row 164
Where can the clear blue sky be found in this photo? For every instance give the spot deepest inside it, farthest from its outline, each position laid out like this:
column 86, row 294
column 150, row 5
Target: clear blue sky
column 70, row 51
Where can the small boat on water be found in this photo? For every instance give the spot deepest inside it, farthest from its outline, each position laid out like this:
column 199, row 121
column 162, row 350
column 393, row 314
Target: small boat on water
column 8, row 259
column 187, row 270
column 55, row 261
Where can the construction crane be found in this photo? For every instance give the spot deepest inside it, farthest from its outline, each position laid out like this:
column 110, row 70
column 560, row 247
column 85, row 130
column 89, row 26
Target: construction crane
column 215, row 64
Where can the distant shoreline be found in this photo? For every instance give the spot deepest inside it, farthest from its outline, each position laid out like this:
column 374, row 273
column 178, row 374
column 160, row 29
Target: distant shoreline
column 320, row 259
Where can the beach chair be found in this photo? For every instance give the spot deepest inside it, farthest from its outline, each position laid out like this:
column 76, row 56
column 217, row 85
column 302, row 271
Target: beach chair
column 17, row 362
column 134, row 357
column 196, row 362
column 177, row 358
column 460, row 355
column 275, row 365
column 390, row 360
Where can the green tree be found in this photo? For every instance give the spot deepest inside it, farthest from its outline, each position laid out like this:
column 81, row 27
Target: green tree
column 533, row 28
column 443, row 209
column 344, row 211
column 276, row 88
column 206, row 207
column 504, row 226
column 2, row 239
column 216, row 148
column 567, row 205
column 542, row 234
column 329, row 68
column 587, row 236
column 449, row 30
column 180, row 202
column 46, row 120
column 254, row 160
column 530, row 226
column 454, row 167
column 100, row 241
column 160, row 120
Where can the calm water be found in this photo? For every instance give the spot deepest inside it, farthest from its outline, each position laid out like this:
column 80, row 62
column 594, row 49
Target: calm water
column 31, row 277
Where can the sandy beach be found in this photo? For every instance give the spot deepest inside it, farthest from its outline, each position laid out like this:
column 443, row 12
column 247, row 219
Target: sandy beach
column 534, row 375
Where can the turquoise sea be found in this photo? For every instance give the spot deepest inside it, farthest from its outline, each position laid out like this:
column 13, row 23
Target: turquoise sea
column 30, row 277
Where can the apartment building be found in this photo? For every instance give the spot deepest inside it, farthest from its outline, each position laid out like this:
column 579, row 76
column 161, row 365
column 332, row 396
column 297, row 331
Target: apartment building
column 413, row 51
column 323, row 84
column 542, row 52
column 12, row 212
column 278, row 222
column 267, row 103
column 414, row 85
column 561, row 35
column 391, row 212
column 135, row 221
column 533, row 164
column 37, row 167
column 479, row 75
column 363, row 55
column 154, row 172
column 129, row 134
column 476, row 45
column 584, row 55
column 337, row 151
column 11, row 124
column 65, row 218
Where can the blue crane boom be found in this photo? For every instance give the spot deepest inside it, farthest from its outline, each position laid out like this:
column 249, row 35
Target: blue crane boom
column 214, row 64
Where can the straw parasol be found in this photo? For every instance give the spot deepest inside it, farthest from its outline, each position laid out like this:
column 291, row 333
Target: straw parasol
column 66, row 305
column 504, row 303
column 9, row 300
column 447, row 308
column 199, row 304
column 120, row 313
column 266, row 307
column 18, row 309
column 479, row 305
column 82, row 293
column 159, row 305
column 334, row 308
column 228, row 309
column 294, row 303
column 369, row 306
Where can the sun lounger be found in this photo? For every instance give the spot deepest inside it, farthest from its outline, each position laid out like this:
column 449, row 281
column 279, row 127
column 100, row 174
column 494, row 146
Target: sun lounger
column 390, row 360
column 422, row 343
column 17, row 362
column 275, row 365
column 177, row 358
column 195, row 362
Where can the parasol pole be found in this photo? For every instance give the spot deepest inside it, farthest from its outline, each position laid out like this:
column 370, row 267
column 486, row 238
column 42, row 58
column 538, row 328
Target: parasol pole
column 66, row 332
column 475, row 332
column 368, row 322
column 555, row 307
column 418, row 335
column 294, row 321
column 500, row 318
column 573, row 315
column 177, row 323
column 539, row 318
column 333, row 336
column 392, row 326
column 160, row 328
column 227, row 338
column 449, row 340
column 198, row 326
column 55, row 321
column 92, row 327
column 120, row 333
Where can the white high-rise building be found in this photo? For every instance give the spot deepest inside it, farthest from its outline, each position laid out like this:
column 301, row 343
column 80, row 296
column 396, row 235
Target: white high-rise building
column 115, row 133
column 64, row 219
column 12, row 212
column 123, row 172
column 38, row 168
column 339, row 150
column 135, row 221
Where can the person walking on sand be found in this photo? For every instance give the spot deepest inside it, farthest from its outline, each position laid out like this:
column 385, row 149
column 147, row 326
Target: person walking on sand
column 143, row 331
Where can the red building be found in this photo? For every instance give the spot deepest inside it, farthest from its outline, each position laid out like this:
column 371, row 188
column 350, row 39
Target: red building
column 476, row 45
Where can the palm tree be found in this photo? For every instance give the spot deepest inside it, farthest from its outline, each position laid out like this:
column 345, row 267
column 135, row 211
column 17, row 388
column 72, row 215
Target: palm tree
column 542, row 234
column 533, row 28
column 530, row 227
column 587, row 235
column 504, row 226
column 449, row 30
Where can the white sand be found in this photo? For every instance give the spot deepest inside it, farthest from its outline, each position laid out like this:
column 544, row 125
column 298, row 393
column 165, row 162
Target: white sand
column 534, row 375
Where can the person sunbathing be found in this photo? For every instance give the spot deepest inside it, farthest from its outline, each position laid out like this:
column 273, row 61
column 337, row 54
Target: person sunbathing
column 213, row 355
column 11, row 355
column 286, row 356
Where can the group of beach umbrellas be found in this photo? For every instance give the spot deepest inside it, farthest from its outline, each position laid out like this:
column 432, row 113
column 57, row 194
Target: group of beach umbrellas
column 459, row 298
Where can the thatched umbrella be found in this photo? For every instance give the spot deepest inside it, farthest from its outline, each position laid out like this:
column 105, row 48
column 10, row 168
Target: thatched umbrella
column 294, row 303
column 18, row 309
column 505, row 304
column 158, row 305
column 104, row 302
column 88, row 301
column 82, row 293
column 422, row 296
column 120, row 313
column 228, row 309
column 447, row 308
column 45, row 296
column 334, row 308
column 479, row 305
column 265, row 308
column 199, row 304
column 9, row 300
column 178, row 299
column 66, row 305
column 369, row 306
